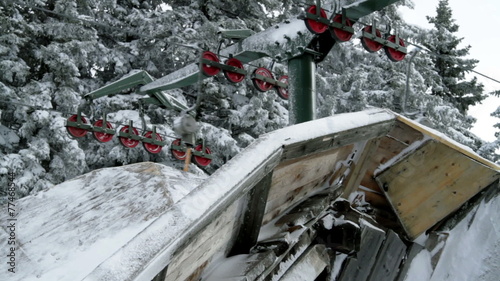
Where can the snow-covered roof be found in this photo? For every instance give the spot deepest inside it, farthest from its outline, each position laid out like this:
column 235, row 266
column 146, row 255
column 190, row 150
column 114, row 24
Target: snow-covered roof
column 126, row 223
column 65, row 232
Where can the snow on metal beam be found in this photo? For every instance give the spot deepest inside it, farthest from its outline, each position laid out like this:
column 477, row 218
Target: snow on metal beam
column 363, row 8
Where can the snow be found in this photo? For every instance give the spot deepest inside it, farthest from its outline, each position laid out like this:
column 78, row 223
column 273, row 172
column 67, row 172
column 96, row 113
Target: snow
column 337, row 264
column 300, row 272
column 7, row 137
column 471, row 252
column 420, row 268
column 285, row 265
column 408, row 150
column 65, row 232
column 340, row 122
column 289, row 36
column 227, row 267
column 167, row 233
column 328, row 221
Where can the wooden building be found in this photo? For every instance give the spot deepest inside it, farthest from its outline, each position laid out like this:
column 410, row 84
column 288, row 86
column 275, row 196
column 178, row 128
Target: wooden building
column 343, row 196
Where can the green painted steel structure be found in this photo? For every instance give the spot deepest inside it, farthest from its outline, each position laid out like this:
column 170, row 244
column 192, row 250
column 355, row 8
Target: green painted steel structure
column 302, row 83
column 290, row 41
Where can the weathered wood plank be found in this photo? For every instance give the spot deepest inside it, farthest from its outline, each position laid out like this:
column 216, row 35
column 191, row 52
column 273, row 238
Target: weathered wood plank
column 399, row 138
column 438, row 136
column 485, row 195
column 292, row 174
column 306, row 211
column 435, row 245
column 201, row 247
column 413, row 250
column 294, row 251
column 309, row 265
column 243, row 267
column 294, row 179
column 276, row 207
column 338, row 139
column 253, row 214
column 358, row 269
column 431, row 183
column 354, row 178
column 388, row 259
column 376, row 199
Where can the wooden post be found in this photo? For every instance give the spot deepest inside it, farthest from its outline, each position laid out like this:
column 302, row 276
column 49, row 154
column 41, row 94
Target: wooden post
column 252, row 217
column 188, row 159
column 356, row 175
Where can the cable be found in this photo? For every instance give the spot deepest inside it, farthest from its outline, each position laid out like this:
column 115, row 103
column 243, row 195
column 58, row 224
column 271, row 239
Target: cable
column 95, row 23
column 438, row 55
column 28, row 105
column 485, row 76
column 140, row 35
column 117, row 124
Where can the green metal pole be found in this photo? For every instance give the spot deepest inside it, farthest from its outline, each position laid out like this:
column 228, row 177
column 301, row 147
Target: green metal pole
column 302, row 87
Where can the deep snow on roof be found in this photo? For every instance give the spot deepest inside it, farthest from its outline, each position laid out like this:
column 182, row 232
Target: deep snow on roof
column 65, row 232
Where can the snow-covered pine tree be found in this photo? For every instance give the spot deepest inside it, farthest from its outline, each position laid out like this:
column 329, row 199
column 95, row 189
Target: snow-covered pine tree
column 450, row 62
column 43, row 63
column 490, row 150
column 55, row 51
column 238, row 108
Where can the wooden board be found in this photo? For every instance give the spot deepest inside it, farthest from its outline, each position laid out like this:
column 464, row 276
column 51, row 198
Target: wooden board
column 309, row 265
column 448, row 142
column 277, row 206
column 294, row 179
column 251, row 220
column 399, row 138
column 214, row 238
column 360, row 167
column 389, row 258
column 431, row 183
column 358, row 268
column 413, row 250
column 300, row 171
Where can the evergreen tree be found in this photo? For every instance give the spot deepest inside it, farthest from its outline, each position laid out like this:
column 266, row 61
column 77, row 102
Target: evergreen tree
column 55, row 51
column 450, row 62
column 490, row 150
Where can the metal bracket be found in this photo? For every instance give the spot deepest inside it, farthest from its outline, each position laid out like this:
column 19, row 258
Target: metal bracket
column 342, row 25
column 223, row 66
column 184, row 146
column 104, row 127
column 386, row 43
column 269, row 80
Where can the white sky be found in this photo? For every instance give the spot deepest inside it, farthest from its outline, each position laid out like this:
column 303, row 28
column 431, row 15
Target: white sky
column 478, row 21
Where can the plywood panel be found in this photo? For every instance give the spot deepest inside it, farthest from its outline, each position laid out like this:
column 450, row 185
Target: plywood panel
column 388, row 259
column 399, row 138
column 360, row 167
column 294, row 179
column 201, row 248
column 445, row 140
column 294, row 173
column 431, row 183
column 276, row 206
